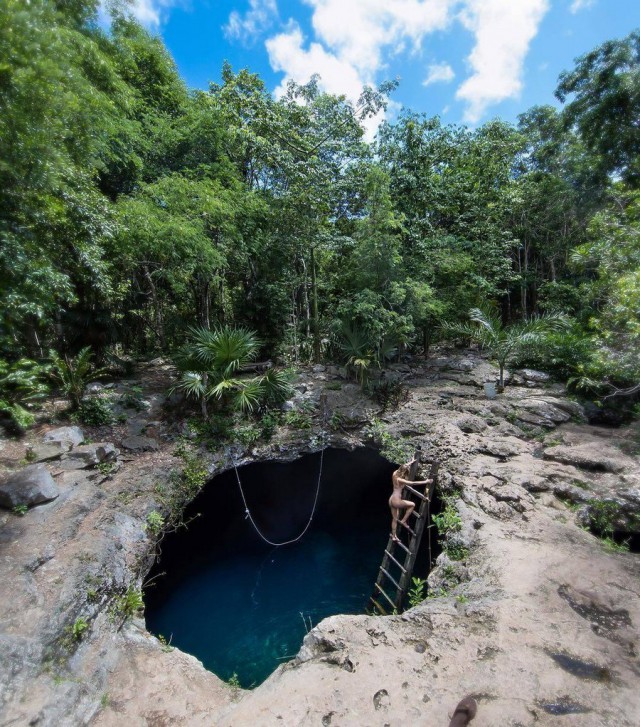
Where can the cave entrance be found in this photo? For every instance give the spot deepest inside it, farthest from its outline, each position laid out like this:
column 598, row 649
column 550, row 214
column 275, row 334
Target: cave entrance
column 243, row 607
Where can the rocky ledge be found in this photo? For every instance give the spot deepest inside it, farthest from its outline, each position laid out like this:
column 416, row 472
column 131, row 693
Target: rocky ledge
column 530, row 612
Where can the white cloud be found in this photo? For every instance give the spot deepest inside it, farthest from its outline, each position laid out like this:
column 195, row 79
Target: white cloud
column 286, row 54
column 354, row 41
column 351, row 40
column 578, row 5
column 256, row 20
column 148, row 12
column 503, row 30
column 357, row 31
column 439, row 73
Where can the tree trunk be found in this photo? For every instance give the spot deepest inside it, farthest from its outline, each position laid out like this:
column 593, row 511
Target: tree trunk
column 203, row 402
column 156, row 308
column 314, row 310
column 305, row 299
column 426, row 341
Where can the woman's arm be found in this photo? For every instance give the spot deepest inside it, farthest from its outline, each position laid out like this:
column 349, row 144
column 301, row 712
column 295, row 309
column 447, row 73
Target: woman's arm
column 412, row 482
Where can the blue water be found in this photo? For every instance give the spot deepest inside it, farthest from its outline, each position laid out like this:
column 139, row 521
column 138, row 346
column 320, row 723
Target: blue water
column 243, row 607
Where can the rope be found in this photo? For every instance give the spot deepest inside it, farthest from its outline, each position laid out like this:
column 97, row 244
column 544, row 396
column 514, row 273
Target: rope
column 253, row 522
column 248, row 514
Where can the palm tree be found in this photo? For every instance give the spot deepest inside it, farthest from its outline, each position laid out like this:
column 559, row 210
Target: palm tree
column 211, row 366
column 505, row 341
column 362, row 350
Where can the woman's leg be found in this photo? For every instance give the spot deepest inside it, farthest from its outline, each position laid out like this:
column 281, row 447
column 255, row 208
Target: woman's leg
column 409, row 506
column 394, row 522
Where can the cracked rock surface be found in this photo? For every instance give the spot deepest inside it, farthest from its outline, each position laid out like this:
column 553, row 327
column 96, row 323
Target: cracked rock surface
column 539, row 622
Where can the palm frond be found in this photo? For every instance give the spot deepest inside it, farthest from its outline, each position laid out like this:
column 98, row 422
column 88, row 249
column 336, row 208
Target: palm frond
column 191, row 383
column 249, row 395
column 276, row 385
column 224, row 348
column 354, row 342
column 222, row 387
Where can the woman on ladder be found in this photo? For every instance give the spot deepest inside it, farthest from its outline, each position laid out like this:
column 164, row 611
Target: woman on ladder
column 396, row 501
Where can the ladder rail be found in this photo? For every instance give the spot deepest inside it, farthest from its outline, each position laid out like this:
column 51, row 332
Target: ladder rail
column 421, row 512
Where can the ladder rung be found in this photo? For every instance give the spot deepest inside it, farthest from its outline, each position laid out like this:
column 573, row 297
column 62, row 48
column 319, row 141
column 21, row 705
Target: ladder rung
column 390, row 577
column 378, row 606
column 416, row 513
column 416, row 493
column 400, row 544
column 393, row 605
column 404, row 525
column 402, row 568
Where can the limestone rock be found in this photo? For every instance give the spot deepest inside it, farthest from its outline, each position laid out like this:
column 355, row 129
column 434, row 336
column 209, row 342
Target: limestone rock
column 502, row 448
column 546, row 410
column 509, row 429
column 89, row 455
column 586, row 457
column 496, row 508
column 571, row 407
column 72, row 435
column 30, row 486
column 47, row 451
column 516, row 496
column 138, row 443
column 533, row 375
column 471, row 424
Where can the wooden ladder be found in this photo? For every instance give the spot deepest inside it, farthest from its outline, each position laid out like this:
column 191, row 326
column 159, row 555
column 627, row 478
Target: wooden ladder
column 391, row 588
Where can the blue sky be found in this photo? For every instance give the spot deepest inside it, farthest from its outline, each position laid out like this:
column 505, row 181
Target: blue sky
column 465, row 60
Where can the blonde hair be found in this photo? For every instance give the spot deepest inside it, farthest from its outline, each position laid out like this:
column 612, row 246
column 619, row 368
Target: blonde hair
column 403, row 471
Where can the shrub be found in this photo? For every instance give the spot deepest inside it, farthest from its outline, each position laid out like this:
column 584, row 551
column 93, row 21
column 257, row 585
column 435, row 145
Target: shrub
column 154, row 523
column 74, row 374
column 390, row 393
column 21, row 382
column 448, row 520
column 298, row 420
column 566, row 354
column 417, row 591
column 268, row 424
column 94, row 412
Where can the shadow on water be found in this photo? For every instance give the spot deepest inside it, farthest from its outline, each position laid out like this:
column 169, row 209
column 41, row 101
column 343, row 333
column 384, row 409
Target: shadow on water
column 242, row 606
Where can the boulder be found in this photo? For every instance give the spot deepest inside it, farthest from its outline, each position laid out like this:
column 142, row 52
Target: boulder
column 537, row 377
column 30, row 486
column 471, row 424
column 138, row 443
column 72, row 435
column 502, row 449
column 47, row 451
column 89, row 455
column 545, row 409
column 586, row 457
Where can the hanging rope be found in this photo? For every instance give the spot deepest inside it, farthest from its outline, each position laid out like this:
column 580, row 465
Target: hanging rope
column 315, row 499
column 306, row 527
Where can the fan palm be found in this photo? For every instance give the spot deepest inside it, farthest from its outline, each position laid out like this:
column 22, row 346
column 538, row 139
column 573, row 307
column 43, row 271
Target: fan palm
column 211, row 368
column 505, row 341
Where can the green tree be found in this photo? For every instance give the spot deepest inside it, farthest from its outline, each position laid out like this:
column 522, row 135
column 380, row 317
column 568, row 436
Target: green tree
column 602, row 96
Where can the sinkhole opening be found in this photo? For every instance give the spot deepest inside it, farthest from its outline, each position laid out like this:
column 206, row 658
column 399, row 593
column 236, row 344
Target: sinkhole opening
column 241, row 606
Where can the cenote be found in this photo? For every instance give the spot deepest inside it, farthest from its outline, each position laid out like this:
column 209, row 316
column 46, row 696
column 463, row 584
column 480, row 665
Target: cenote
column 243, row 607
